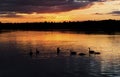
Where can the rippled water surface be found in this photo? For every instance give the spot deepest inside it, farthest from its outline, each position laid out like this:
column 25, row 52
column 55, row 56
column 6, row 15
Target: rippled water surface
column 15, row 60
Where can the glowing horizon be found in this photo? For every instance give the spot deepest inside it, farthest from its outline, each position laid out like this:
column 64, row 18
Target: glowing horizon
column 72, row 11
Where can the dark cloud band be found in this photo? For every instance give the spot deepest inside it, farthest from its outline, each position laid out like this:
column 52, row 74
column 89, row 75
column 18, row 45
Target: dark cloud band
column 41, row 6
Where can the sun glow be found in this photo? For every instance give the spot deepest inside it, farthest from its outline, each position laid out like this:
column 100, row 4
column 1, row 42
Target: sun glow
column 98, row 11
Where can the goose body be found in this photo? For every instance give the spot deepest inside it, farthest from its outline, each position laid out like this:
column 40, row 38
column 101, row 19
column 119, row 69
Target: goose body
column 97, row 53
column 81, row 54
column 72, row 52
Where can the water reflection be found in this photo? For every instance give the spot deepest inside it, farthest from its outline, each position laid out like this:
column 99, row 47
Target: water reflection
column 45, row 47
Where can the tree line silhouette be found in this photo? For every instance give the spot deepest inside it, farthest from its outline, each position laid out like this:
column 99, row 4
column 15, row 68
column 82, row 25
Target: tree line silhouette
column 103, row 26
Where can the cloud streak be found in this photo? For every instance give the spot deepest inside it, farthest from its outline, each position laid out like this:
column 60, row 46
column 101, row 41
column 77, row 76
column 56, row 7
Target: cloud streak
column 11, row 15
column 115, row 13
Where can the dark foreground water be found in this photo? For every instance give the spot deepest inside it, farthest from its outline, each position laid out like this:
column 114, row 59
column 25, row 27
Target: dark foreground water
column 15, row 60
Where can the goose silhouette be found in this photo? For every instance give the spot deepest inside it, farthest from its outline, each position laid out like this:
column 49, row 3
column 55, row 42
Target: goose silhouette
column 91, row 51
column 73, row 52
column 37, row 52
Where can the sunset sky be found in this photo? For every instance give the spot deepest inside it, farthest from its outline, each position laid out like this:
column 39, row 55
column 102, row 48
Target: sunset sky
column 58, row 10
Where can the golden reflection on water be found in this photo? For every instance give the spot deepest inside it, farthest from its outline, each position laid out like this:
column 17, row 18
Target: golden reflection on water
column 48, row 41
column 79, row 42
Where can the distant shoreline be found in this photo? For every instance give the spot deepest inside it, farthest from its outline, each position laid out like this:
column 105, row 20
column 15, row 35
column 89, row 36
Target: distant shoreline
column 104, row 26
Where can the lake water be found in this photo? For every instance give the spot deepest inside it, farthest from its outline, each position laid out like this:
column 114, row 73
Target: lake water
column 15, row 60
